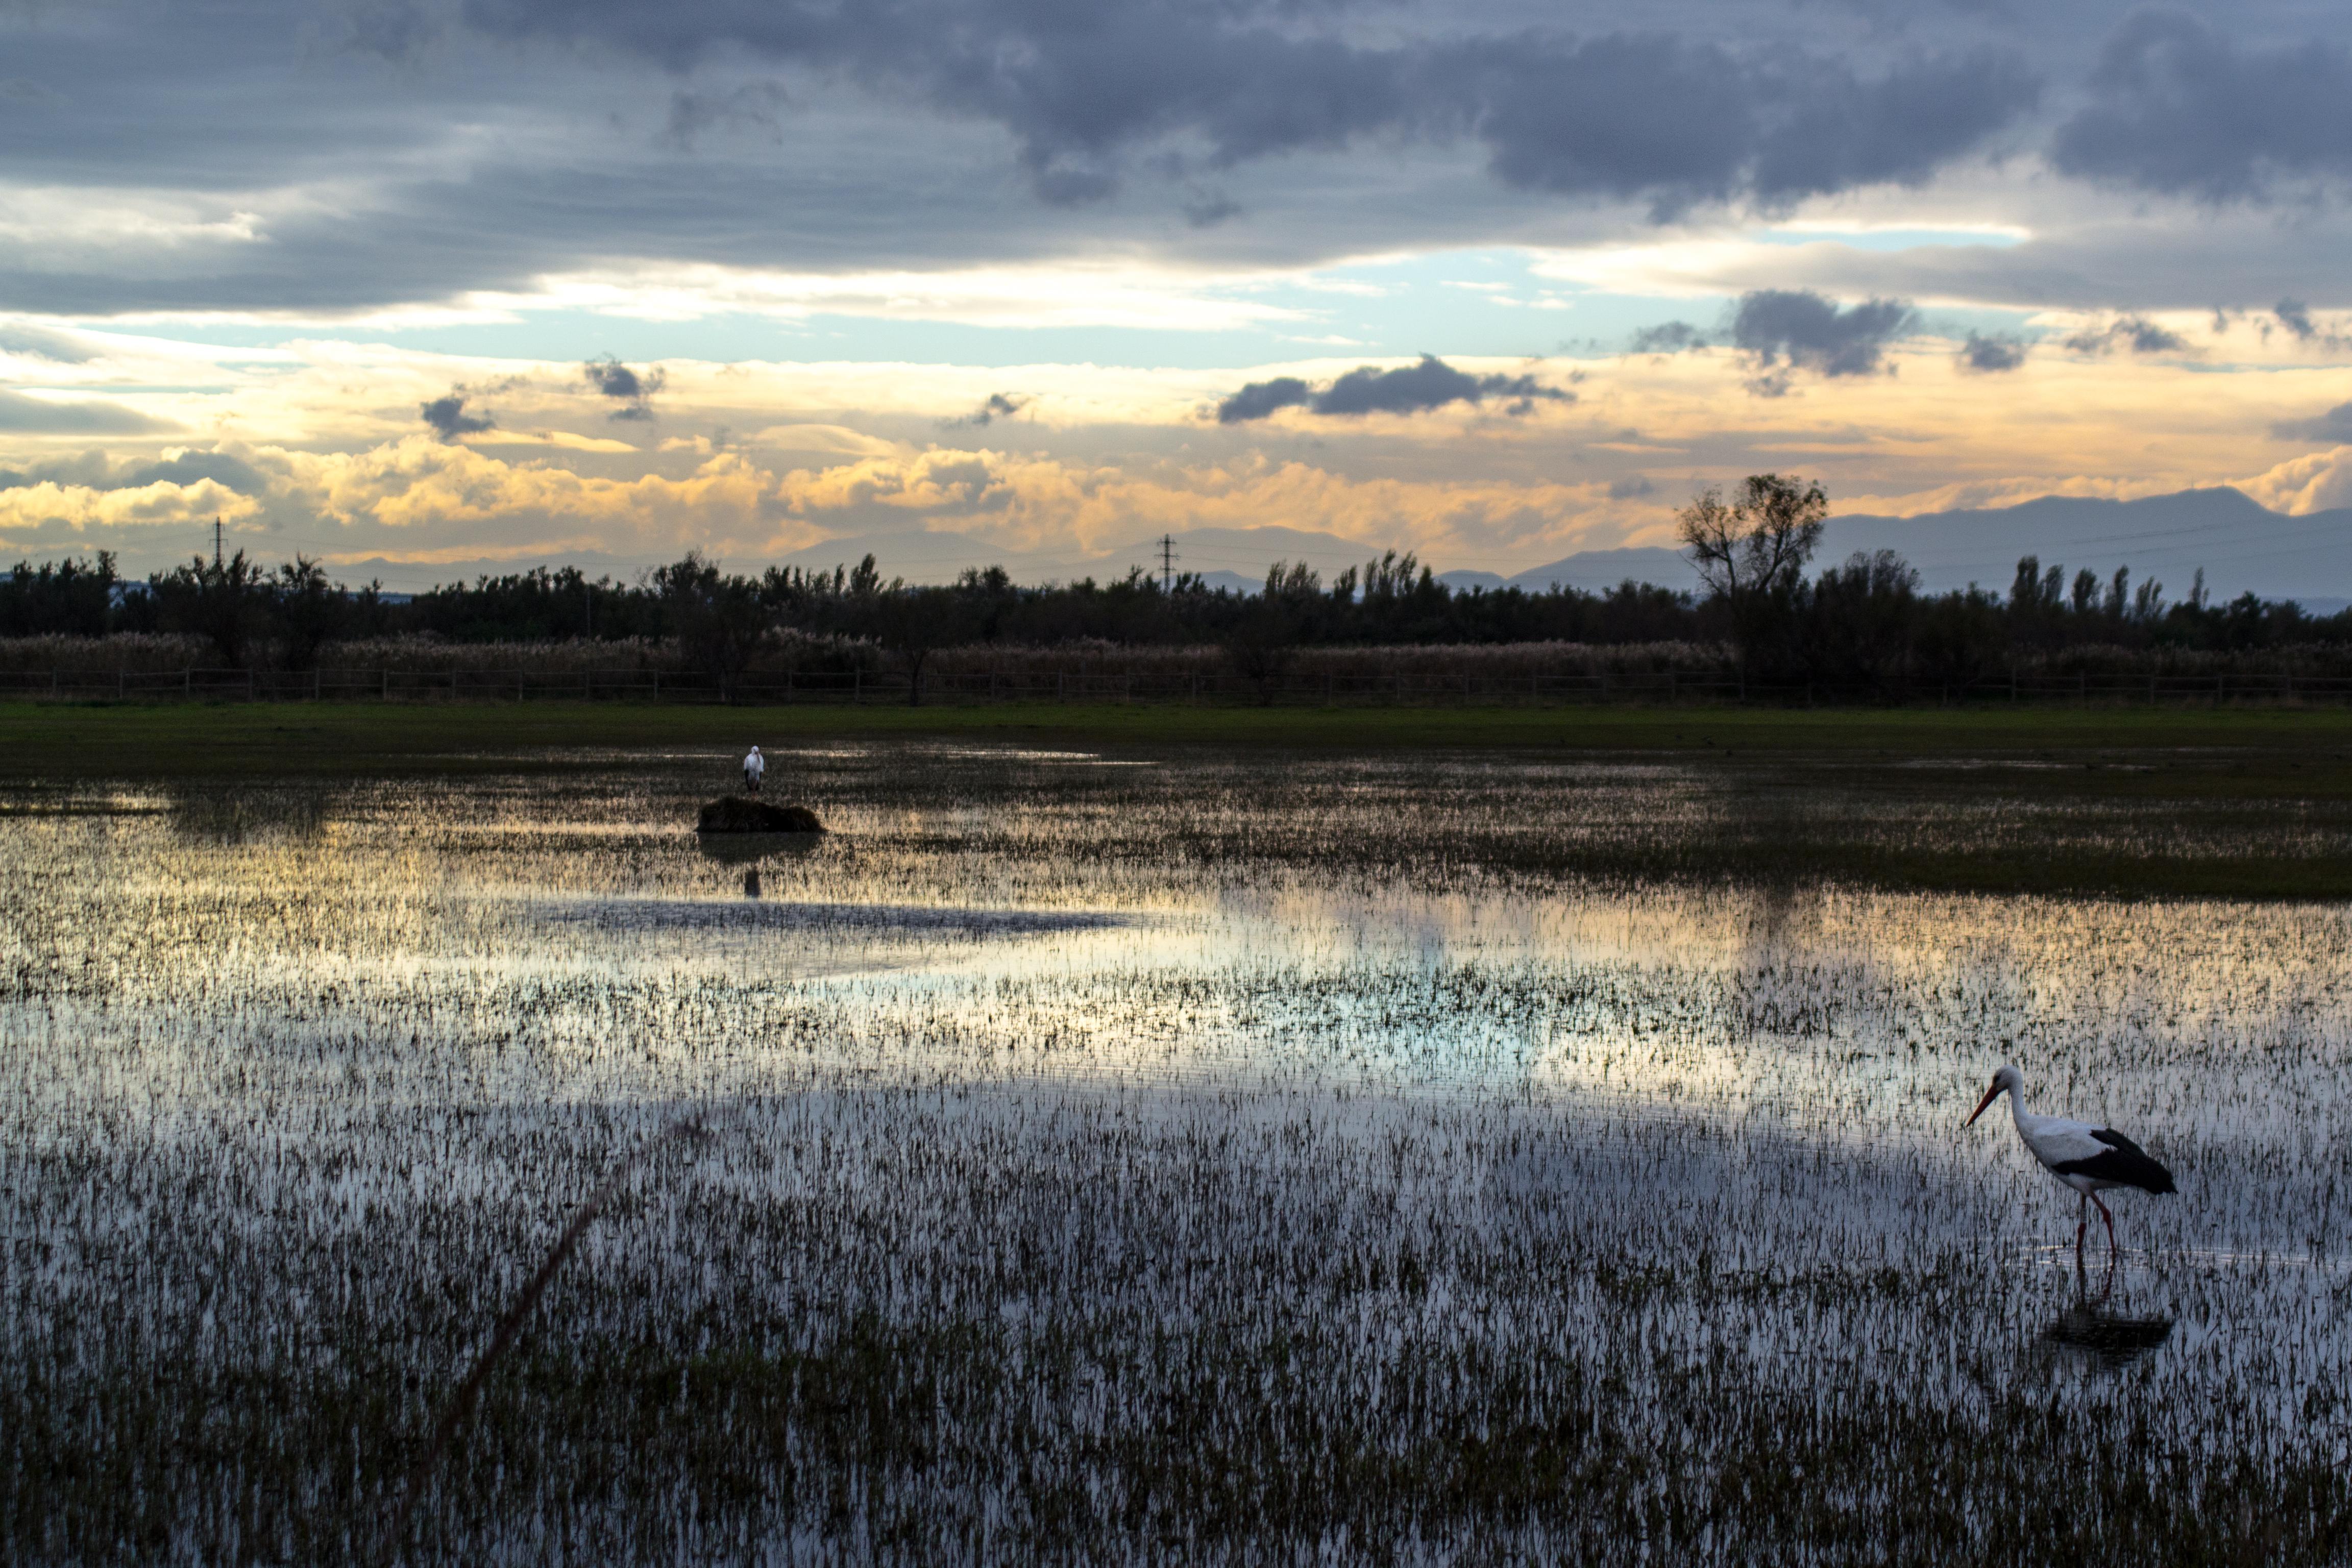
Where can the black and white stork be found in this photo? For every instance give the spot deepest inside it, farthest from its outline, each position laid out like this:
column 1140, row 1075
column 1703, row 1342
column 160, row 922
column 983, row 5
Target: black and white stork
column 2086, row 1158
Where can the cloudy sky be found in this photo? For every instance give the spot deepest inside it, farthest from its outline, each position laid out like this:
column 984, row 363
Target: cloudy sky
column 436, row 283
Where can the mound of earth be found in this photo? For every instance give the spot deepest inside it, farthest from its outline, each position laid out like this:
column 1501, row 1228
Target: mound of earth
column 742, row 814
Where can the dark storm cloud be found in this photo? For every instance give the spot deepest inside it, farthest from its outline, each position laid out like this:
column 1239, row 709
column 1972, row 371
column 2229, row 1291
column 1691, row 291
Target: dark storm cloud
column 2180, row 107
column 753, row 106
column 1367, row 389
column 40, row 343
column 2135, row 333
column 2334, row 428
column 40, row 416
column 222, row 468
column 2295, row 317
column 449, row 418
column 1648, row 116
column 1677, row 122
column 997, row 405
column 289, row 168
column 634, row 390
column 1667, row 337
column 1991, row 355
column 1260, row 398
column 1432, row 384
column 1793, row 329
column 95, row 470
column 1072, row 85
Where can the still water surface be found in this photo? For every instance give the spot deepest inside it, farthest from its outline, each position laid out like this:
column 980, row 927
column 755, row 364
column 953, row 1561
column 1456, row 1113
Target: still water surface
column 1322, row 1063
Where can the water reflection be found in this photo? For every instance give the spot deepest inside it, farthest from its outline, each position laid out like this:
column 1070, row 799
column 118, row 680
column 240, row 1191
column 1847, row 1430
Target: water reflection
column 2110, row 1339
column 750, row 849
column 1329, row 1037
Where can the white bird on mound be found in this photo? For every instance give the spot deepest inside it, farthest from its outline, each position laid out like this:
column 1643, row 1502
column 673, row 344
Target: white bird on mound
column 2086, row 1158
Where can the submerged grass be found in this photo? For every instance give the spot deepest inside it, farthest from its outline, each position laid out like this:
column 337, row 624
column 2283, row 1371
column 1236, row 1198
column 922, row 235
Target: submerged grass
column 1009, row 1324
column 1144, row 1157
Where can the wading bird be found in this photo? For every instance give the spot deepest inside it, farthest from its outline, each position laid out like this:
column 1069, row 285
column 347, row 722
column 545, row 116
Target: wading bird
column 2086, row 1158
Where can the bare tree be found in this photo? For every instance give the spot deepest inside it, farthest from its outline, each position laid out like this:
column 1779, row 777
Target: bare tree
column 1758, row 545
column 1751, row 553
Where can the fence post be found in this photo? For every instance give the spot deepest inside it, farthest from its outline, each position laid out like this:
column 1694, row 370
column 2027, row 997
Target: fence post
column 121, row 683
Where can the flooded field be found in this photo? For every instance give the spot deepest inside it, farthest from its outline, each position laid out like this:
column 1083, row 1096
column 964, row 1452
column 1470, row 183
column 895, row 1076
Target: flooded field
column 1195, row 1157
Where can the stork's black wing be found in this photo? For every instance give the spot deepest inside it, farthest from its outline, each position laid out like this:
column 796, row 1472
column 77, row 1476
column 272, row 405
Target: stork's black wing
column 2125, row 1162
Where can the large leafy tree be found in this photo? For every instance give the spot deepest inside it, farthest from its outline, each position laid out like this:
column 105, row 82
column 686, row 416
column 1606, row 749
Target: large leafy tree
column 718, row 620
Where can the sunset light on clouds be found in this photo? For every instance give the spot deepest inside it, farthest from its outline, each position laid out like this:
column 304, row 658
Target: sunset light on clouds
column 420, row 287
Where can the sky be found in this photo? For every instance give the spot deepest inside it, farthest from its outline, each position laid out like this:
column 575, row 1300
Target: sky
column 421, row 287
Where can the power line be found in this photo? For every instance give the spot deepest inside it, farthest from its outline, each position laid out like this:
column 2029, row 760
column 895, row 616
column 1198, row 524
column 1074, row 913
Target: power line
column 1167, row 562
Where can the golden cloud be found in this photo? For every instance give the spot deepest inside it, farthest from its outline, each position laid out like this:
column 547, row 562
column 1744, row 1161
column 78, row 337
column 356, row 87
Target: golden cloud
column 83, row 508
column 2314, row 482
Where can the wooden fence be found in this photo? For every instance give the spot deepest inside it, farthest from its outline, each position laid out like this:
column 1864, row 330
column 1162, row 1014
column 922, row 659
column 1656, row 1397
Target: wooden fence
column 975, row 687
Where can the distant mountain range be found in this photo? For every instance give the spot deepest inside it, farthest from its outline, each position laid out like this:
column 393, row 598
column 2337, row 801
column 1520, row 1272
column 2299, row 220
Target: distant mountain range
column 1595, row 570
column 2241, row 544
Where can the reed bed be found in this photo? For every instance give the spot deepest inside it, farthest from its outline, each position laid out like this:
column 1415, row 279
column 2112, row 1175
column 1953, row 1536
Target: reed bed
column 157, row 654
column 142, row 653
column 1116, row 1159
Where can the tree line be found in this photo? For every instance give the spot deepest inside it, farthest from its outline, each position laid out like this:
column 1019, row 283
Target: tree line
column 1862, row 622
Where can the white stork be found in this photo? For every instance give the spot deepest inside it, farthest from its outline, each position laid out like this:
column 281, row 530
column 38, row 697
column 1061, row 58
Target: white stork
column 2086, row 1158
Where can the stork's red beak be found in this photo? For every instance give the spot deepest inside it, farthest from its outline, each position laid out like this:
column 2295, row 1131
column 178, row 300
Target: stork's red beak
column 1990, row 1095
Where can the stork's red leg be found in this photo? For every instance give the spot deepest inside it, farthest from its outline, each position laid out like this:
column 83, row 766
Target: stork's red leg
column 2111, row 1222
column 2082, row 1223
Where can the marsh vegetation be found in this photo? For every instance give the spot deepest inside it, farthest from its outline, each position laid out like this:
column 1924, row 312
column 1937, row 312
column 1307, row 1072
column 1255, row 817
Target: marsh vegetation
column 1215, row 1156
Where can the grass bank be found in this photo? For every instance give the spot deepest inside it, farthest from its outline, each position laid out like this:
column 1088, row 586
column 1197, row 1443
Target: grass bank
column 53, row 740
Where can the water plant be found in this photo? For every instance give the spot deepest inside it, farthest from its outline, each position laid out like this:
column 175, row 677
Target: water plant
column 1224, row 1159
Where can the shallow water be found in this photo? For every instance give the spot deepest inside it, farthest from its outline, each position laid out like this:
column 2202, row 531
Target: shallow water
column 1137, row 1156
